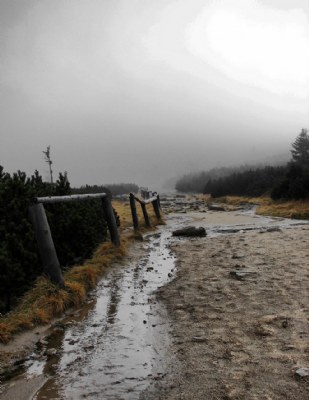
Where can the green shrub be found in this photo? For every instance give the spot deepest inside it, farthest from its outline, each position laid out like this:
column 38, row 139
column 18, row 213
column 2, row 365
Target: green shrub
column 77, row 229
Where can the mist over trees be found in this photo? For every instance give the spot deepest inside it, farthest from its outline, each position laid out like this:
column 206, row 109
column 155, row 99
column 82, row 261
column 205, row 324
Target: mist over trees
column 252, row 182
column 195, row 182
column 290, row 181
column 203, row 182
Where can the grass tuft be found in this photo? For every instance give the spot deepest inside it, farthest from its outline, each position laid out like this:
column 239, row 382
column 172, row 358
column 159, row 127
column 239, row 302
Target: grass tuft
column 77, row 292
column 5, row 332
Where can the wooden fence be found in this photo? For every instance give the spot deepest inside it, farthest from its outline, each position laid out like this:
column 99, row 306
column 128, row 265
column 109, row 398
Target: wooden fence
column 154, row 200
column 47, row 251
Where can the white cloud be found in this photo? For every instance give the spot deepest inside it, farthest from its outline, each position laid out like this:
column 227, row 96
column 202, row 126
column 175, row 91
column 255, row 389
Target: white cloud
column 255, row 44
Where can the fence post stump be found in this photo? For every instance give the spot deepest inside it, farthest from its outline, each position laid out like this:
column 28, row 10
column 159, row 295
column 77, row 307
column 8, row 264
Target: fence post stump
column 111, row 220
column 145, row 213
column 47, row 251
column 156, row 208
column 133, row 211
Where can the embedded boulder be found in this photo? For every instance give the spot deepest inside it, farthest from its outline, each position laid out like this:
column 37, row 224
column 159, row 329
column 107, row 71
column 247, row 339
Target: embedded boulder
column 190, row 231
column 215, row 207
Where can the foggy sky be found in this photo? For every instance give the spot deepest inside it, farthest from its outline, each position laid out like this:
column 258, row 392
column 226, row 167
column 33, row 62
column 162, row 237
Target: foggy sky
column 144, row 90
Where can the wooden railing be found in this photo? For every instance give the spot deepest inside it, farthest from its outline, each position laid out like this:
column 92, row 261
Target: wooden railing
column 47, row 251
column 154, row 200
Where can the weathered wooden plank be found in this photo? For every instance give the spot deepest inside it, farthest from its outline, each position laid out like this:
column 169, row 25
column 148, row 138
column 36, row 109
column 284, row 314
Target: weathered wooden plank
column 47, row 251
column 73, row 197
column 133, row 211
column 156, row 208
column 145, row 213
column 111, row 220
column 146, row 201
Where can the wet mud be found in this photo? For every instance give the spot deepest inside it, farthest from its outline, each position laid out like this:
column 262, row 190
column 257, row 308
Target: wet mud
column 115, row 345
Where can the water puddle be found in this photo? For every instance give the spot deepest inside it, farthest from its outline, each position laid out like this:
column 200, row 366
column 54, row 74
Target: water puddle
column 120, row 346
column 228, row 222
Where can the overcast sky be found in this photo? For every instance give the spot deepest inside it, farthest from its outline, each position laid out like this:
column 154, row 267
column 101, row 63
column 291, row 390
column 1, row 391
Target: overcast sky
column 144, row 90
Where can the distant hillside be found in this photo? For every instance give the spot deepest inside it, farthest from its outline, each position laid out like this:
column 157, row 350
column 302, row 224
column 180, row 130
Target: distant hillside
column 251, row 182
column 196, row 182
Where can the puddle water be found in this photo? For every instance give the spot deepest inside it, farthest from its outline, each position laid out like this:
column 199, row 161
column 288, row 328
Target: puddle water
column 120, row 346
column 218, row 223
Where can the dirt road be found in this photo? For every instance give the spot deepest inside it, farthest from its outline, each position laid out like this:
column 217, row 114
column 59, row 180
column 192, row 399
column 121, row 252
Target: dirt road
column 232, row 323
column 240, row 314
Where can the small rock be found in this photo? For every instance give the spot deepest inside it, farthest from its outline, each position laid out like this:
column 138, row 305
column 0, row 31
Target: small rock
column 302, row 373
column 273, row 229
column 199, row 339
column 58, row 329
column 288, row 347
column 285, row 324
column 51, row 352
column 263, row 331
column 241, row 275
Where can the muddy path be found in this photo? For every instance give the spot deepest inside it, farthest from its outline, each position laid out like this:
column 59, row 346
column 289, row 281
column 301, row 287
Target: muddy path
column 112, row 347
column 239, row 307
column 135, row 336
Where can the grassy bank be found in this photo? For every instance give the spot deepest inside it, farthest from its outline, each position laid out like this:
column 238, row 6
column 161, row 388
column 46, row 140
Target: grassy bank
column 266, row 206
column 46, row 301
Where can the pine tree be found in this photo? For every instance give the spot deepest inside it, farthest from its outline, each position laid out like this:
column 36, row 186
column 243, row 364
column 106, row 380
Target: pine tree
column 300, row 149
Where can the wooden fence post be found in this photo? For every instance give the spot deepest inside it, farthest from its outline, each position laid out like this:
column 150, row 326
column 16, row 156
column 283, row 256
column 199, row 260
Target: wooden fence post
column 133, row 211
column 159, row 201
column 111, row 220
column 145, row 214
column 156, row 208
column 47, row 251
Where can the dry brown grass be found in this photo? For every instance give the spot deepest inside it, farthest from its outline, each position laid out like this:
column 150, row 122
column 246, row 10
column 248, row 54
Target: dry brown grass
column 124, row 211
column 46, row 301
column 290, row 209
column 297, row 209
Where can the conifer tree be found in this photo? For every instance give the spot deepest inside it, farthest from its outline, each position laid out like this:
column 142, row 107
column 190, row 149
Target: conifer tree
column 300, row 149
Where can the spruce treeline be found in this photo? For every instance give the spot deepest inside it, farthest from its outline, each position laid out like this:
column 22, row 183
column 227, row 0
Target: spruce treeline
column 195, row 182
column 282, row 182
column 290, row 182
column 252, row 183
column 77, row 229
